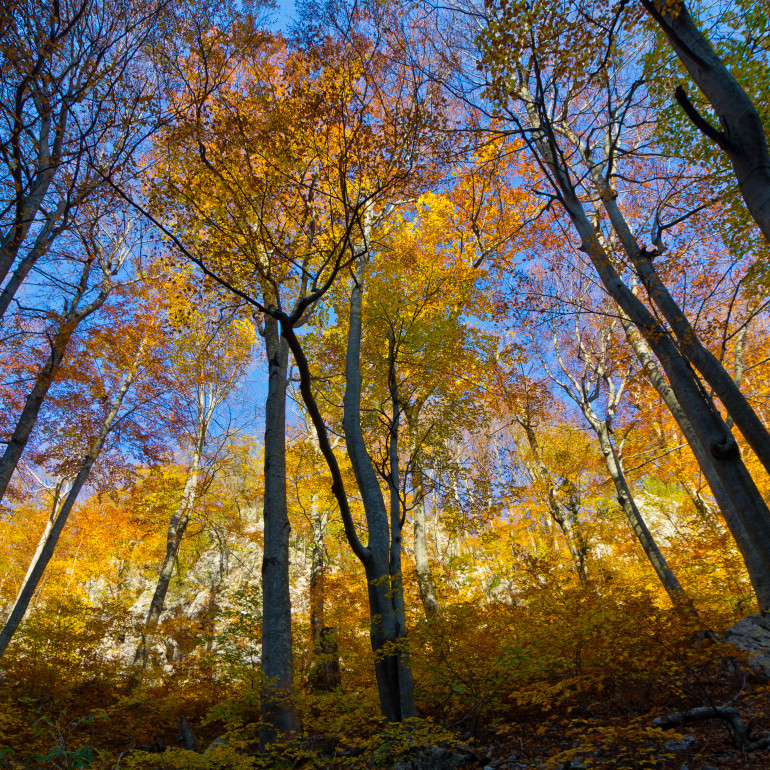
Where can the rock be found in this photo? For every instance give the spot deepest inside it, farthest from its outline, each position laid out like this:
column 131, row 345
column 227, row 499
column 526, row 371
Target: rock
column 221, row 740
column 686, row 742
column 752, row 635
column 708, row 767
column 185, row 736
column 434, row 758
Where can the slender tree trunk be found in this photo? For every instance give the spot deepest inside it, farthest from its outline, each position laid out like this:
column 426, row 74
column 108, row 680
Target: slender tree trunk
column 375, row 556
column 700, row 410
column 736, row 404
column 757, row 567
column 26, row 420
column 385, row 632
column 559, row 512
column 405, row 683
column 317, row 572
column 422, row 564
column 741, row 134
column 325, row 668
column 626, row 499
column 279, row 714
column 176, row 528
column 56, row 524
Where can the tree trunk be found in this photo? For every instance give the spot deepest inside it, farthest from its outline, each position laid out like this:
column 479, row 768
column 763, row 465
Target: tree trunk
column 741, row 134
column 317, row 571
column 736, row 404
column 56, row 524
column 422, row 564
column 26, row 420
column 405, row 683
column 626, row 499
column 177, row 526
column 325, row 667
column 391, row 667
column 279, row 714
column 700, row 410
column 559, row 512
column 176, row 529
column 758, row 569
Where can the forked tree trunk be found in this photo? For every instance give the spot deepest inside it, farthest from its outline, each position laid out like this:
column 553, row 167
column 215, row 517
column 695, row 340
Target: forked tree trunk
column 58, row 518
column 728, row 392
column 279, row 715
column 709, row 427
column 386, row 630
column 391, row 665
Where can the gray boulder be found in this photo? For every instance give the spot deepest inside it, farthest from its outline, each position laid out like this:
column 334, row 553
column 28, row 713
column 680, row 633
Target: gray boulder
column 752, row 635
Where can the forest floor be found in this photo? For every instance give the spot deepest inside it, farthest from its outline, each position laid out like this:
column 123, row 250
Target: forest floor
column 578, row 683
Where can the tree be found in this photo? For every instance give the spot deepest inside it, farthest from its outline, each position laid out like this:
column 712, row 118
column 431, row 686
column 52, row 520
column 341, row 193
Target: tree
column 279, row 230
column 74, row 94
column 208, row 359
column 118, row 359
column 584, row 174
column 741, row 135
column 595, row 379
column 106, row 246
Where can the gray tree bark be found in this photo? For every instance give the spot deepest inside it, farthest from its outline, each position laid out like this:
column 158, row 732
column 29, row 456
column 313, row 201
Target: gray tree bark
column 741, row 134
column 736, row 404
column 177, row 527
column 279, row 714
column 386, row 632
column 758, row 569
column 699, row 408
column 59, row 518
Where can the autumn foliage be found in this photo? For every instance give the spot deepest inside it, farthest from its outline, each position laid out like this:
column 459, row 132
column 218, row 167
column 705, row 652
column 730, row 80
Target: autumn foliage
column 386, row 392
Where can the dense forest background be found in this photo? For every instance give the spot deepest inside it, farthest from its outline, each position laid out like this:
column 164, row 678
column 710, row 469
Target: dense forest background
column 388, row 391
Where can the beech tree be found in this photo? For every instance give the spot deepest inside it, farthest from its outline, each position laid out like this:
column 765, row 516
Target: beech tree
column 279, row 230
column 585, row 175
column 741, row 133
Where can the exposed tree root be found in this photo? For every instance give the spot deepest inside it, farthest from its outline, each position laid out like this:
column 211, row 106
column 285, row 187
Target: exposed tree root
column 741, row 731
